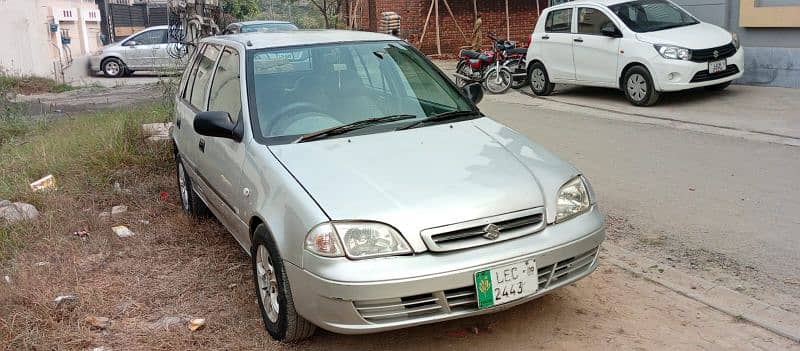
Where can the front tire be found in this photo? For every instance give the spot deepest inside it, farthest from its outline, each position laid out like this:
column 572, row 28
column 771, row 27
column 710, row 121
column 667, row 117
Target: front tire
column 273, row 291
column 113, row 68
column 498, row 81
column 539, row 80
column 639, row 88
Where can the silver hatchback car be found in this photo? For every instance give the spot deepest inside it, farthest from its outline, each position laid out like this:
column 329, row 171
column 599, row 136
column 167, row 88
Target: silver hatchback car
column 152, row 49
column 370, row 192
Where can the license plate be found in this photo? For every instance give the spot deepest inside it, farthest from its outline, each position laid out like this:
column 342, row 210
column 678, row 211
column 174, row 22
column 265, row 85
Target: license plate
column 717, row 66
column 507, row 283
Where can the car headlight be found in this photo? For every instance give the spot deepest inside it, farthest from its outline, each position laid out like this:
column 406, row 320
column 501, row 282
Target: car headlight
column 356, row 240
column 573, row 199
column 674, row 52
column 735, row 40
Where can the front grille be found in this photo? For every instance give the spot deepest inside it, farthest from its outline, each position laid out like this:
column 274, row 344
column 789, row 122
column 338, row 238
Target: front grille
column 464, row 299
column 705, row 55
column 473, row 233
column 704, row 76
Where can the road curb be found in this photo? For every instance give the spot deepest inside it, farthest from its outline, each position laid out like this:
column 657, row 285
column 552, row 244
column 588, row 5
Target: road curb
column 737, row 305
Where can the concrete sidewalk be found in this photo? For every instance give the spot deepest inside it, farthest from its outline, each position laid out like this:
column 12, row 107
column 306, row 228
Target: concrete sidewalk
column 760, row 113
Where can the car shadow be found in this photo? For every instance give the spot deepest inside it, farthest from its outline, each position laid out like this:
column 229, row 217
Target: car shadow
column 615, row 96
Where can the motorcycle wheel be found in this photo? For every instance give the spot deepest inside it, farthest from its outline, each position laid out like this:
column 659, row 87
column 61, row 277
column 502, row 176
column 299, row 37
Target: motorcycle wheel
column 518, row 66
column 498, row 82
column 465, row 70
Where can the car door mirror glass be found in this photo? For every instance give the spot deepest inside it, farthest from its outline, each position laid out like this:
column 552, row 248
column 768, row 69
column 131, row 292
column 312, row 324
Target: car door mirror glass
column 131, row 43
column 217, row 124
column 474, row 92
column 610, row 30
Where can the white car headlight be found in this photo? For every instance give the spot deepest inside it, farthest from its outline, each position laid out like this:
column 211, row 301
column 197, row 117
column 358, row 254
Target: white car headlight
column 356, row 240
column 674, row 52
column 735, row 40
column 573, row 199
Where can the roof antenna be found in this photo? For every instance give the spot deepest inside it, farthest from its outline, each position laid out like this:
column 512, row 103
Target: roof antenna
column 249, row 43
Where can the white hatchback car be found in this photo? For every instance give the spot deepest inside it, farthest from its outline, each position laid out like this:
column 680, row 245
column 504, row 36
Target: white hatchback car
column 643, row 47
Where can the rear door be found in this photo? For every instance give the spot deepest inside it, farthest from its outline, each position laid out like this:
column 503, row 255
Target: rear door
column 556, row 44
column 595, row 55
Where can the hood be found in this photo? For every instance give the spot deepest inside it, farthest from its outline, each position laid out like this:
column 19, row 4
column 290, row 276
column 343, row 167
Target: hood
column 415, row 179
column 699, row 36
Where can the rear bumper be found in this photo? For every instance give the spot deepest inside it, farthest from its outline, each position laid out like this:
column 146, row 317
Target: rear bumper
column 349, row 307
column 674, row 75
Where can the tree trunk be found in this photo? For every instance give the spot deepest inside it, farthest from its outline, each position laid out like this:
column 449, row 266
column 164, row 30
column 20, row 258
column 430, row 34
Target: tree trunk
column 373, row 16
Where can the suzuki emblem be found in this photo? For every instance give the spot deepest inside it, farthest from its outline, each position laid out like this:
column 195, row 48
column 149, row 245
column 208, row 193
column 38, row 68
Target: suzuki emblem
column 492, row 231
column 716, row 54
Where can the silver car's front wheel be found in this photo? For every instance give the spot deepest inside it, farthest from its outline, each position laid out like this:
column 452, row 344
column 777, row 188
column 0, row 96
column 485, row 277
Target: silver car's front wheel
column 267, row 283
column 273, row 290
column 113, row 67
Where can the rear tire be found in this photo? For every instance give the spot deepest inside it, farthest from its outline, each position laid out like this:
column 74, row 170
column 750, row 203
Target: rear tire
column 113, row 67
column 637, row 84
column 462, row 69
column 516, row 67
column 718, row 87
column 278, row 312
column 539, row 80
column 191, row 203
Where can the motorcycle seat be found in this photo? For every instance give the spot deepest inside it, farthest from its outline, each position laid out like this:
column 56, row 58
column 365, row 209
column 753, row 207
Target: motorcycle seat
column 471, row 54
column 518, row 51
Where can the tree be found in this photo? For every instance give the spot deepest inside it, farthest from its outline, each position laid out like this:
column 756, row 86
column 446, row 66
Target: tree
column 329, row 9
column 373, row 16
column 240, row 8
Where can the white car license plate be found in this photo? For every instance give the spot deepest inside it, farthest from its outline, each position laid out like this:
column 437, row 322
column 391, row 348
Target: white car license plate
column 717, row 66
column 507, row 283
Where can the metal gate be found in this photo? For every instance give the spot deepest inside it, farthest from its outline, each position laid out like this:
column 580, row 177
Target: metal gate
column 129, row 19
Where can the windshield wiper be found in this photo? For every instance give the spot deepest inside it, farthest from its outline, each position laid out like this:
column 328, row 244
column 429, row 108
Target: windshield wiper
column 351, row 127
column 441, row 117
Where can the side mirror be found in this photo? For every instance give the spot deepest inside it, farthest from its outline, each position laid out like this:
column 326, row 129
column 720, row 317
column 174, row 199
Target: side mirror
column 611, row 32
column 217, row 124
column 473, row 91
column 131, row 43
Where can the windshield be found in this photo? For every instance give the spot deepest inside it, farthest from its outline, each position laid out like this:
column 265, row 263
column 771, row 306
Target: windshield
column 300, row 90
column 652, row 15
column 268, row 27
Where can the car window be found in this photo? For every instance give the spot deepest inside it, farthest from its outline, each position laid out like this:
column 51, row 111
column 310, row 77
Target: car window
column 158, row 36
column 591, row 21
column 652, row 15
column 202, row 76
column 559, row 21
column 306, row 89
column 187, row 73
column 225, row 89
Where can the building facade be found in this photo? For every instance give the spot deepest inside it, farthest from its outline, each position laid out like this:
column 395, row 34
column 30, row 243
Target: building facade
column 41, row 37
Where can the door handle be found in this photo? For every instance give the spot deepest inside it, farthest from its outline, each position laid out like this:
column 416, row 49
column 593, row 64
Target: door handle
column 178, row 123
column 545, row 37
column 578, row 40
column 202, row 145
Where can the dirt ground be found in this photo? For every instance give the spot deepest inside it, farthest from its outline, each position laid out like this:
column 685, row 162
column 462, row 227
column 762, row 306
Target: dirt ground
column 175, row 269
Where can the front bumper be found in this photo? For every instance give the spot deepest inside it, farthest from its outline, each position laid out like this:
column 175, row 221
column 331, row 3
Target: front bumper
column 432, row 287
column 94, row 63
column 674, row 75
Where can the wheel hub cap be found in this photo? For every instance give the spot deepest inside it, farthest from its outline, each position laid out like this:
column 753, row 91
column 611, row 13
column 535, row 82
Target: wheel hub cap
column 537, row 78
column 637, row 87
column 183, row 188
column 267, row 283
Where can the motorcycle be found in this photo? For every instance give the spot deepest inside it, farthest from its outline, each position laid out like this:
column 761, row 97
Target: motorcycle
column 516, row 63
column 485, row 67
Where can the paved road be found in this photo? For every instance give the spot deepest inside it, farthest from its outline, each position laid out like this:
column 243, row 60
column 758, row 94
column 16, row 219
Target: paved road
column 718, row 205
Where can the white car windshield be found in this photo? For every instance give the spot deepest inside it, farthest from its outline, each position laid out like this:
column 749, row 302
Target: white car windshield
column 652, row 15
column 300, row 90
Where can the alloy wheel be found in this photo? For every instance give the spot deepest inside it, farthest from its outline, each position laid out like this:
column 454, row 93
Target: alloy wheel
column 637, row 87
column 183, row 188
column 537, row 79
column 112, row 68
column 498, row 81
column 267, row 283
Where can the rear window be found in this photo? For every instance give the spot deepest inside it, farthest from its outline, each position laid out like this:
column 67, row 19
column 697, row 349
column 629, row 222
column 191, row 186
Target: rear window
column 559, row 21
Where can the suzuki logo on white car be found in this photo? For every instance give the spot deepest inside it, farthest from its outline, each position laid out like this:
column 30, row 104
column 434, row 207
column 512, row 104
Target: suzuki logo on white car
column 492, row 231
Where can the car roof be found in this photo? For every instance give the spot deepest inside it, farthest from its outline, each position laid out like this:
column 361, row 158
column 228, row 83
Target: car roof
column 248, row 23
column 155, row 27
column 587, row 2
column 261, row 40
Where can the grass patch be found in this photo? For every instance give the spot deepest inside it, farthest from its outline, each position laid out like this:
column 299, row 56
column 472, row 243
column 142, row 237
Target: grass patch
column 87, row 155
column 27, row 85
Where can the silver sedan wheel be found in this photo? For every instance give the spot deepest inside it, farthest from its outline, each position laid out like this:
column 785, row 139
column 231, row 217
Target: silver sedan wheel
column 112, row 68
column 183, row 187
column 637, row 87
column 267, row 283
column 537, row 79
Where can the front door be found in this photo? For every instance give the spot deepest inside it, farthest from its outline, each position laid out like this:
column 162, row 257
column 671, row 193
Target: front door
column 142, row 48
column 556, row 45
column 595, row 55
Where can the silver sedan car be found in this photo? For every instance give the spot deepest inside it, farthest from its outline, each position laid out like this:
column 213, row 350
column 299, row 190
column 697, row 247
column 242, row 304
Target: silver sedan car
column 152, row 49
column 370, row 193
